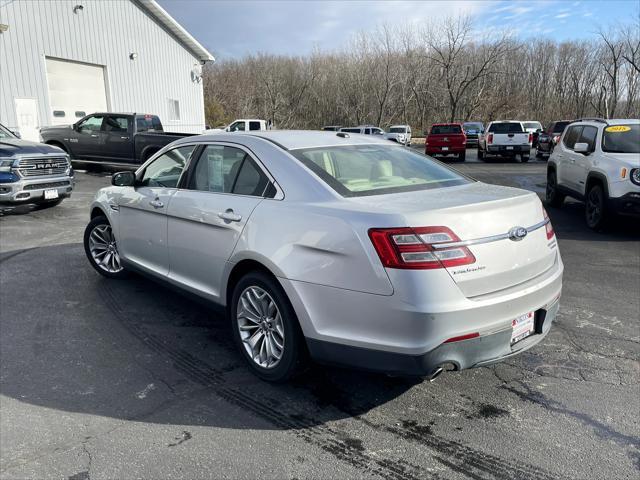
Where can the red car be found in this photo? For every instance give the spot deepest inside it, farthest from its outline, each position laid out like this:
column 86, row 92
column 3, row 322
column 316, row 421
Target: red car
column 446, row 139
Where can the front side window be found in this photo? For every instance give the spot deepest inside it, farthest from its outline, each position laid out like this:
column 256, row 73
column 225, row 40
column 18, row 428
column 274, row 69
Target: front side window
column 621, row 139
column 588, row 136
column 397, row 130
column 165, row 170
column 572, row 136
column 237, row 127
column 91, row 124
column 359, row 170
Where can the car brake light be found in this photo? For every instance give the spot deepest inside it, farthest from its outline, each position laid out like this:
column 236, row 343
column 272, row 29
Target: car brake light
column 490, row 138
column 548, row 226
column 417, row 248
column 531, row 138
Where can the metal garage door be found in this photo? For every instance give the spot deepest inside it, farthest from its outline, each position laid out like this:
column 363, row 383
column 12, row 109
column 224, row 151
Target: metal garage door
column 75, row 90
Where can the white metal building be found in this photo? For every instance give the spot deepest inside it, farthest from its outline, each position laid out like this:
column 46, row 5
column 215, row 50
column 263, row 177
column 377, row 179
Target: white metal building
column 62, row 59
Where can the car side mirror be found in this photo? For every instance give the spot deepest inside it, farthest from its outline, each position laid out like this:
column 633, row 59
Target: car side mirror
column 123, row 179
column 581, row 148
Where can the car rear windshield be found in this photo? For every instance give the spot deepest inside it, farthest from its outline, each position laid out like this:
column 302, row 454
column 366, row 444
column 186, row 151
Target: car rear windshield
column 560, row 126
column 148, row 123
column 621, row 139
column 445, row 129
column 359, row 170
column 506, row 127
column 472, row 126
column 535, row 125
column 398, row 130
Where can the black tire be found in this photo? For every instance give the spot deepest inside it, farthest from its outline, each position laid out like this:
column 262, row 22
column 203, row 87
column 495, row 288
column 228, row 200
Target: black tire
column 99, row 221
column 595, row 210
column 294, row 353
column 538, row 153
column 524, row 158
column 463, row 156
column 553, row 197
column 480, row 153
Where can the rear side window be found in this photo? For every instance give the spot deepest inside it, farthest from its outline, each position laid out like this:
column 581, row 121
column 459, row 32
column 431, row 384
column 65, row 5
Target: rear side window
column 237, row 127
column 445, row 129
column 559, row 127
column 254, row 125
column 350, row 130
column 506, row 127
column 116, row 124
column 588, row 136
column 572, row 136
column 359, row 170
column 251, row 180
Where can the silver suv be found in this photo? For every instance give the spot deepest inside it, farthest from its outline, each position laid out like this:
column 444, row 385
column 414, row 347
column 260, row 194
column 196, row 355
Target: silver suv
column 597, row 161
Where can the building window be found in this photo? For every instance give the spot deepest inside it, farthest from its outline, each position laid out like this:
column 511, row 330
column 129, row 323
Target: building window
column 174, row 109
column 80, row 114
column 58, row 113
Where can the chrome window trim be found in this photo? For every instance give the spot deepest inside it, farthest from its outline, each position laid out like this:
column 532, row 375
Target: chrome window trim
column 492, row 238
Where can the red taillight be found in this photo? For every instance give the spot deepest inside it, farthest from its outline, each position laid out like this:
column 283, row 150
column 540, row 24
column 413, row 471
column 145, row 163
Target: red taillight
column 463, row 337
column 490, row 138
column 417, row 248
column 531, row 138
column 556, row 138
column 548, row 226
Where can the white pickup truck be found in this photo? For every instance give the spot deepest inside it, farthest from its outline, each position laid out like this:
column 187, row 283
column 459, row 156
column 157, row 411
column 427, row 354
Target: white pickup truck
column 243, row 125
column 507, row 139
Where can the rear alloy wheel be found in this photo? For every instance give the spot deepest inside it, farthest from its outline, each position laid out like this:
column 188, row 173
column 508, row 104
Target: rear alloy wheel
column 595, row 208
column 266, row 328
column 553, row 197
column 101, row 248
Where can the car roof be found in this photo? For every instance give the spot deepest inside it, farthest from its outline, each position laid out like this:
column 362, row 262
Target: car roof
column 445, row 124
column 295, row 139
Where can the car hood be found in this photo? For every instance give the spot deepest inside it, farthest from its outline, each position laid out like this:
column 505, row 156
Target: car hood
column 10, row 147
column 631, row 160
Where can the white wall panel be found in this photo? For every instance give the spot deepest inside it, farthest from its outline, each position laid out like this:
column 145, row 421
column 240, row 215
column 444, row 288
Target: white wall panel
column 104, row 33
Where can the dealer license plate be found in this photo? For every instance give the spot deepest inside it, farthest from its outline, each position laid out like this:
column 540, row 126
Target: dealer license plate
column 50, row 194
column 522, row 326
column 444, row 149
column 509, row 148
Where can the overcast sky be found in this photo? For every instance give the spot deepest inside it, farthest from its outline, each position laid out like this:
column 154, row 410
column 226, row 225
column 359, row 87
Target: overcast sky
column 232, row 29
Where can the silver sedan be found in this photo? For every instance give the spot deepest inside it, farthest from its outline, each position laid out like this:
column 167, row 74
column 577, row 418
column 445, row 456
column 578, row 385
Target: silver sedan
column 340, row 247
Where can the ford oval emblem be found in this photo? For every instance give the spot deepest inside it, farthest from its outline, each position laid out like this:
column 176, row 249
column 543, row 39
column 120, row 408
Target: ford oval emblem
column 517, row 233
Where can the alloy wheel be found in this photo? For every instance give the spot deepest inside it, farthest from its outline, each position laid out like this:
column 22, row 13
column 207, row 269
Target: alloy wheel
column 260, row 325
column 104, row 249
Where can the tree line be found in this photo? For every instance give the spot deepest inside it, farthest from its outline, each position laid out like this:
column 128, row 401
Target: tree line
column 445, row 71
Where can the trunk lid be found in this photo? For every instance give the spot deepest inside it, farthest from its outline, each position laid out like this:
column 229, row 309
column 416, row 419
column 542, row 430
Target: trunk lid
column 446, row 140
column 483, row 214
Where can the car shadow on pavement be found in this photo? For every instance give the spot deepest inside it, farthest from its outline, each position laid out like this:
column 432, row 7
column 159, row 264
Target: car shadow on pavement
column 136, row 350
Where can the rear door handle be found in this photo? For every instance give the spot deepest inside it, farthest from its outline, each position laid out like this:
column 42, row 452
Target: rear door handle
column 229, row 216
column 94, row 136
column 124, row 138
column 156, row 203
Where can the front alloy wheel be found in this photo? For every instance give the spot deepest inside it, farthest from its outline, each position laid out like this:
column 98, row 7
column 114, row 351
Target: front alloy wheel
column 595, row 208
column 101, row 248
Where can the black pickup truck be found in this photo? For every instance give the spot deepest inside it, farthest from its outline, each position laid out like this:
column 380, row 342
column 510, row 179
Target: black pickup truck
column 119, row 139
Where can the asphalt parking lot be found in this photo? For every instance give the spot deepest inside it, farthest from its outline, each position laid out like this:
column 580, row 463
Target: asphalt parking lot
column 129, row 379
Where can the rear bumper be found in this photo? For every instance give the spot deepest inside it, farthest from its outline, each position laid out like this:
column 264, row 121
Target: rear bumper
column 628, row 204
column 406, row 332
column 508, row 150
column 461, row 355
column 455, row 150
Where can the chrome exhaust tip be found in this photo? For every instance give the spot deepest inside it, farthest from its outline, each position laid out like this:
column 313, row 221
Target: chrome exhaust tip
column 435, row 374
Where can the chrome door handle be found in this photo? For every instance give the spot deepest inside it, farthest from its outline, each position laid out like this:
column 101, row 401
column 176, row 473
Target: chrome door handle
column 124, row 138
column 94, row 136
column 229, row 216
column 156, row 203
